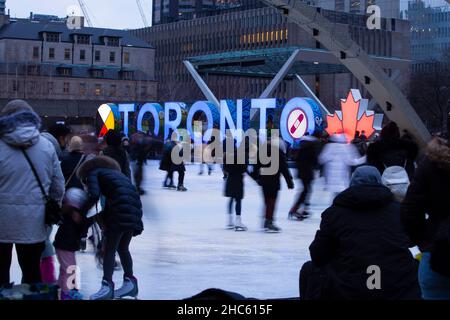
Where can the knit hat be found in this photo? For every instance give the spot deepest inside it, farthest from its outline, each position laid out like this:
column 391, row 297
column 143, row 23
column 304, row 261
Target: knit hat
column 75, row 144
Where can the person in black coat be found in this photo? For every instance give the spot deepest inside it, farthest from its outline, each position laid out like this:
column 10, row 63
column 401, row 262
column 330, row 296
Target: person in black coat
column 115, row 150
column 429, row 194
column 234, row 188
column 361, row 251
column 121, row 219
column 270, row 183
column 166, row 164
column 306, row 162
column 390, row 150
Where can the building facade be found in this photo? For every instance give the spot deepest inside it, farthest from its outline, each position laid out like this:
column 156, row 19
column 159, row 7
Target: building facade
column 260, row 29
column 66, row 72
column 389, row 8
column 430, row 32
column 2, row 6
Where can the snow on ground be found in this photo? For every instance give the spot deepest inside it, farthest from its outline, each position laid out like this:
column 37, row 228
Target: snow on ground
column 186, row 249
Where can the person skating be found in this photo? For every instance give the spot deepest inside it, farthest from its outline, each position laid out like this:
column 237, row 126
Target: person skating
column 115, row 150
column 271, row 183
column 426, row 218
column 121, row 220
column 306, row 162
column 234, row 189
column 22, row 205
column 166, row 164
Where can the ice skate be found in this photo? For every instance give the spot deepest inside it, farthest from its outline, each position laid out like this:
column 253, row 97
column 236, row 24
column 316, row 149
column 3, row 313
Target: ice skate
column 181, row 188
column 269, row 227
column 171, row 186
column 230, row 224
column 129, row 289
column 239, row 226
column 106, row 291
column 294, row 215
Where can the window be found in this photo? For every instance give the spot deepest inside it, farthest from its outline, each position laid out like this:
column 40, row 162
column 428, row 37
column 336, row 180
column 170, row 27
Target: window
column 143, row 91
column 67, row 54
column 66, row 87
column 82, row 89
column 52, row 37
column 15, row 86
column 127, row 90
column 50, row 87
column 126, row 57
column 83, row 39
column 97, row 73
column 32, row 86
column 51, row 53
column 33, row 70
column 98, row 89
column 126, row 75
column 112, row 42
column 65, row 71
column 112, row 56
column 36, row 52
column 113, row 90
column 82, row 55
column 97, row 55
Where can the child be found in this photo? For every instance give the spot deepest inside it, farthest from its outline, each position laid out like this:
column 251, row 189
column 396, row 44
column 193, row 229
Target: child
column 122, row 220
column 67, row 241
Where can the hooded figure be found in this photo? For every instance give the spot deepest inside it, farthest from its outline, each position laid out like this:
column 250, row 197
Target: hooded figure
column 22, row 205
column 361, row 232
column 429, row 194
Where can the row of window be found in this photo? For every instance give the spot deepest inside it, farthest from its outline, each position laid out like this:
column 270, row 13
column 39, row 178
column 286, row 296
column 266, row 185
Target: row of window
column 83, row 39
column 83, row 89
column 425, row 33
column 82, row 55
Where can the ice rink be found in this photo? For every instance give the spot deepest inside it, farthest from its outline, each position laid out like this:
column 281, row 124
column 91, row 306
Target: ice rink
column 185, row 247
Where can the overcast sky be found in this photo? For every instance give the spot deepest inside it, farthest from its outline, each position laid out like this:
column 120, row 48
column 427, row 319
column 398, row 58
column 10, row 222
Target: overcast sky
column 118, row 14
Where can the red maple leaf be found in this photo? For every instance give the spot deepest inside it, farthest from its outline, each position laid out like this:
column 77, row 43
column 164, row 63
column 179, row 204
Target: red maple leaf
column 349, row 123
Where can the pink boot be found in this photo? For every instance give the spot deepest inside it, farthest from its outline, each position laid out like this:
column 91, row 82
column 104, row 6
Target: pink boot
column 48, row 270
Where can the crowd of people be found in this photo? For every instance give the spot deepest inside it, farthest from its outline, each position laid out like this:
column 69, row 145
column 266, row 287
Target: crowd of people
column 386, row 200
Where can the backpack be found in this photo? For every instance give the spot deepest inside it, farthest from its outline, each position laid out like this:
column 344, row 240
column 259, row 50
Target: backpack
column 397, row 180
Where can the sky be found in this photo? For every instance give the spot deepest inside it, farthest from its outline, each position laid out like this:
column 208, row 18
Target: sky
column 117, row 14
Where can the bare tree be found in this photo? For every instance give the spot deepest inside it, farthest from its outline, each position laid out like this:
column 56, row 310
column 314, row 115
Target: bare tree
column 430, row 93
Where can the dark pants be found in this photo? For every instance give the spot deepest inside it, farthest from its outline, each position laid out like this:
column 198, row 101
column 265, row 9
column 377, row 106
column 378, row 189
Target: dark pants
column 117, row 242
column 270, row 201
column 169, row 179
column 313, row 281
column 180, row 178
column 138, row 174
column 238, row 206
column 29, row 256
column 303, row 195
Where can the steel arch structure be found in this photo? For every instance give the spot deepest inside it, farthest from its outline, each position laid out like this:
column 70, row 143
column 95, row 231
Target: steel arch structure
column 351, row 55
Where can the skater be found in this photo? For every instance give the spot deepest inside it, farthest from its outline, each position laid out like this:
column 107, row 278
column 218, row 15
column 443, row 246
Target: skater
column 67, row 241
column 271, row 184
column 361, row 231
column 22, row 204
column 114, row 150
column 166, row 164
column 306, row 162
column 139, row 149
column 426, row 218
column 234, row 189
column 121, row 220
column 338, row 157
column 179, row 168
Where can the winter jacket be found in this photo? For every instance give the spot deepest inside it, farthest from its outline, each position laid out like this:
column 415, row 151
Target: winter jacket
column 338, row 157
column 234, row 184
column 271, row 183
column 307, row 157
column 123, row 209
column 22, row 206
column 120, row 155
column 428, row 193
column 166, row 160
column 69, row 162
column 362, row 228
column 390, row 152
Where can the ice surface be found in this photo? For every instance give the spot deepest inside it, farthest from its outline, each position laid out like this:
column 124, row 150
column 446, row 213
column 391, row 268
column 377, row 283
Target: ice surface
column 186, row 249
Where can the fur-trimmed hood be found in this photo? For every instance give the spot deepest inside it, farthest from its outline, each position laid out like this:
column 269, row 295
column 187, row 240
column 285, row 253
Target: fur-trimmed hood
column 20, row 129
column 438, row 151
column 95, row 163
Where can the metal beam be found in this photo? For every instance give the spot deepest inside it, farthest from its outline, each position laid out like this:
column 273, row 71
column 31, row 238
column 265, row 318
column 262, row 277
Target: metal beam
column 280, row 75
column 336, row 38
column 311, row 94
column 201, row 84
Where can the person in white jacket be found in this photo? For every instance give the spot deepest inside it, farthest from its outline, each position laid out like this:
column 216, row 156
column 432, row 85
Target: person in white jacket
column 338, row 157
column 22, row 205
